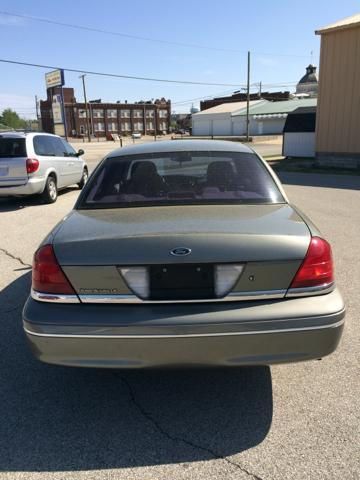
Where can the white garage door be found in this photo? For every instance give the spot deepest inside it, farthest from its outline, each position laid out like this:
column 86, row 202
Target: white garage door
column 201, row 127
column 222, row 127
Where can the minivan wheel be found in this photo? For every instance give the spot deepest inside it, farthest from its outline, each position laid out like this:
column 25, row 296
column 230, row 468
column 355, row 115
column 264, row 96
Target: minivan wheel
column 50, row 192
column 84, row 179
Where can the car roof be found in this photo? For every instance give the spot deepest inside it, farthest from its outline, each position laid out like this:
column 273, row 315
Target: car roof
column 181, row 146
column 11, row 134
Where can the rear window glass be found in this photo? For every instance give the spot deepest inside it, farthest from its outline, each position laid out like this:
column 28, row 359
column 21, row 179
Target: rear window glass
column 12, row 147
column 180, row 178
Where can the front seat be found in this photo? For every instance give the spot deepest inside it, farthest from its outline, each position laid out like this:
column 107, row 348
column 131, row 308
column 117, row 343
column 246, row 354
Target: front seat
column 145, row 180
column 221, row 175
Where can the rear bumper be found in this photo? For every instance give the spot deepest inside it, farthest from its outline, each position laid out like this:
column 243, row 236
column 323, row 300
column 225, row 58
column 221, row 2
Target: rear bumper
column 33, row 186
column 245, row 333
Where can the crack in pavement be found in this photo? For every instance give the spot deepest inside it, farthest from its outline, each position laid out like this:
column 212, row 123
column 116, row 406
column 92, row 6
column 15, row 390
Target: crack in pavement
column 13, row 309
column 175, row 438
column 10, row 255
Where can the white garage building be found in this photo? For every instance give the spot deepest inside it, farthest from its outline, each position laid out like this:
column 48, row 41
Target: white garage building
column 229, row 119
column 218, row 120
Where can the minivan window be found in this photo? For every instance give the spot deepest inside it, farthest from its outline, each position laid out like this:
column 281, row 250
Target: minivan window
column 181, row 178
column 12, row 147
column 69, row 150
column 45, row 145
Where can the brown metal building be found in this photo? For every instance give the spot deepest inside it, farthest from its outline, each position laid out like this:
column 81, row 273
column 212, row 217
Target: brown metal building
column 338, row 108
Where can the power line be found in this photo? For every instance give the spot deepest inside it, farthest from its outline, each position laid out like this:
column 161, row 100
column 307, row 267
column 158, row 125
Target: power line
column 116, row 75
column 137, row 37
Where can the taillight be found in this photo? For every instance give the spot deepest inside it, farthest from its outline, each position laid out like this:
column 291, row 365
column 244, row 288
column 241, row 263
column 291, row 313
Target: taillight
column 32, row 164
column 317, row 269
column 47, row 275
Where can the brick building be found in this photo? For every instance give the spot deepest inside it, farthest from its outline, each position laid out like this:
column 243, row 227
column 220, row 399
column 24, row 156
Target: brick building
column 107, row 118
column 241, row 97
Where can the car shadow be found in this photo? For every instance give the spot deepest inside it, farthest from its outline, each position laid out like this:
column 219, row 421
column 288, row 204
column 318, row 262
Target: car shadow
column 68, row 419
column 11, row 204
column 350, row 182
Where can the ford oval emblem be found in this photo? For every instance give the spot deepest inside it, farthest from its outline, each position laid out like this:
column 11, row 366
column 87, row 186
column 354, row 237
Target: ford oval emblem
column 181, row 251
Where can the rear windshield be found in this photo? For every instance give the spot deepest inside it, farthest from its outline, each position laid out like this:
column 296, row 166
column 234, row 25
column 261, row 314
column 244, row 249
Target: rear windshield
column 12, row 147
column 180, row 178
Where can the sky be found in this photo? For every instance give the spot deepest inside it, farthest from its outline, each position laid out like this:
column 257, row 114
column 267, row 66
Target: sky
column 279, row 34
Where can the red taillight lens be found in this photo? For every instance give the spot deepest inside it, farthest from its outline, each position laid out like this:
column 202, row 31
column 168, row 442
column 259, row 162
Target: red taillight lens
column 32, row 164
column 317, row 268
column 47, row 276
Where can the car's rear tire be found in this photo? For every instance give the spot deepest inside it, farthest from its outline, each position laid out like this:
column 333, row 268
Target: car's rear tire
column 84, row 179
column 50, row 192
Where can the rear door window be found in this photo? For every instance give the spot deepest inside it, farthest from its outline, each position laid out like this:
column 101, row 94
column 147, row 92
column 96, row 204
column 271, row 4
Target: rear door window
column 12, row 147
column 45, row 145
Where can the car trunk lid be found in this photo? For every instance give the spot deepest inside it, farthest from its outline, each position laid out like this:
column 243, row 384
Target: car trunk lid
column 269, row 241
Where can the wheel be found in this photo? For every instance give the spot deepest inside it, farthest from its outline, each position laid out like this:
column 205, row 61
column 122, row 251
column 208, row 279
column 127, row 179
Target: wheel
column 50, row 192
column 84, row 178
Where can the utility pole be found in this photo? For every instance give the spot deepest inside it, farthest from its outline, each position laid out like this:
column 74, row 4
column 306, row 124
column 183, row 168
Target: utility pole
column 260, row 88
column 155, row 123
column 86, row 107
column 37, row 112
column 248, row 99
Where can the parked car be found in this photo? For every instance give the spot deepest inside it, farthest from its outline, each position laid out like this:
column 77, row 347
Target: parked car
column 39, row 163
column 136, row 135
column 183, row 254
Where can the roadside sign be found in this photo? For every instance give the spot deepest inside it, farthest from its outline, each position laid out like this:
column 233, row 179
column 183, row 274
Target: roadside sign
column 54, row 78
column 57, row 110
column 57, row 113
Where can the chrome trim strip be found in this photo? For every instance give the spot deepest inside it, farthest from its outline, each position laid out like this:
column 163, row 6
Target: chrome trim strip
column 189, row 335
column 310, row 291
column 54, row 298
column 231, row 297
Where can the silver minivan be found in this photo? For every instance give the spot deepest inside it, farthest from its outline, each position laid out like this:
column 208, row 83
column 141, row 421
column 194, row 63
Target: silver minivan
column 39, row 163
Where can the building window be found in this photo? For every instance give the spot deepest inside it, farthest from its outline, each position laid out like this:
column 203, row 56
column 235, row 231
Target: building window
column 99, row 127
column 82, row 113
column 98, row 113
column 150, row 113
column 125, row 113
column 163, row 126
column 82, row 130
column 138, row 126
column 137, row 113
column 112, row 113
column 163, row 113
column 125, row 126
column 112, row 127
column 150, row 125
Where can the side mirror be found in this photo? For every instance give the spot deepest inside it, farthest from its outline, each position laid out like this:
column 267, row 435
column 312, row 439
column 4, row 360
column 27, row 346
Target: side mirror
column 80, row 152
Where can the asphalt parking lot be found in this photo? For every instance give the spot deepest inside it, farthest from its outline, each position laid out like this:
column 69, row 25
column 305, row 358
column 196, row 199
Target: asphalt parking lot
column 294, row 422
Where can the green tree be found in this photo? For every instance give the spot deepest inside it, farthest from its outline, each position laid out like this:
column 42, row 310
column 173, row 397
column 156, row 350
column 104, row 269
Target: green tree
column 11, row 119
